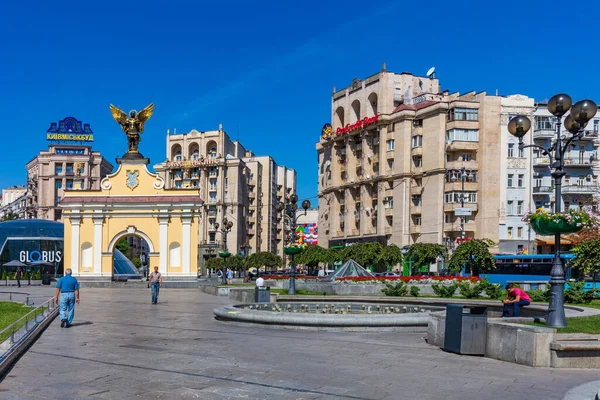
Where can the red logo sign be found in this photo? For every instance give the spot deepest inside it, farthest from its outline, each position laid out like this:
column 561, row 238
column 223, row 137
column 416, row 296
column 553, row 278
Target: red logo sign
column 361, row 123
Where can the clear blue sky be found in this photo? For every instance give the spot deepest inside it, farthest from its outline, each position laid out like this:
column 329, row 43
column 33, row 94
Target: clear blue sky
column 266, row 69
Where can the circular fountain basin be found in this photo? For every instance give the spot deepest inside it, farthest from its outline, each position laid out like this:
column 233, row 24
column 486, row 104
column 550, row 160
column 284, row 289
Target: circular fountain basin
column 331, row 315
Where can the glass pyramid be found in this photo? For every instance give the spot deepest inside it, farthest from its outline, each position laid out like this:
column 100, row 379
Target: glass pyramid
column 350, row 268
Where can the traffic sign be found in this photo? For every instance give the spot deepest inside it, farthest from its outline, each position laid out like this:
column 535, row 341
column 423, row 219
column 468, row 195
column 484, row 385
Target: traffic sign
column 463, row 212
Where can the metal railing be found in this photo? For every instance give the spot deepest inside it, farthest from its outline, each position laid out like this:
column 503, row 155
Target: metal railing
column 20, row 329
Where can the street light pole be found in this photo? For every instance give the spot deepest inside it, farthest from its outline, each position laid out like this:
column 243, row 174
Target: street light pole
column 581, row 113
column 225, row 229
column 290, row 213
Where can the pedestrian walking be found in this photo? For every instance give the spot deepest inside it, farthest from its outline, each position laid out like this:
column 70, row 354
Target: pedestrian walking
column 229, row 276
column 18, row 276
column 67, row 288
column 155, row 279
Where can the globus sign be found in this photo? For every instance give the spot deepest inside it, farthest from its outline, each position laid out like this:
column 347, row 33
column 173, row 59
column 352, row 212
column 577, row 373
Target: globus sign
column 35, row 255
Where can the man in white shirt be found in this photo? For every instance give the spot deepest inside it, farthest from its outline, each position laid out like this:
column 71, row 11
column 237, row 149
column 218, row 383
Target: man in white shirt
column 260, row 282
column 321, row 272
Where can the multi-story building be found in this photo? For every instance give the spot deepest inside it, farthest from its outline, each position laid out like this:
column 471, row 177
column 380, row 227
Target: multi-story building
column 17, row 209
column 514, row 235
column 11, row 194
column 392, row 169
column 581, row 183
column 234, row 183
column 66, row 165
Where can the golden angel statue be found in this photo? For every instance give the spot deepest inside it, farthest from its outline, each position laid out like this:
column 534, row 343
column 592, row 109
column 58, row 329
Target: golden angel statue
column 133, row 124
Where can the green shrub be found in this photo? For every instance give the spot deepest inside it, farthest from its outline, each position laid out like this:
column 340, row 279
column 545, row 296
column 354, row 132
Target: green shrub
column 444, row 290
column 398, row 289
column 37, row 275
column 575, row 294
column 4, row 276
column 415, row 291
column 470, row 290
column 492, row 290
column 539, row 295
column 25, row 276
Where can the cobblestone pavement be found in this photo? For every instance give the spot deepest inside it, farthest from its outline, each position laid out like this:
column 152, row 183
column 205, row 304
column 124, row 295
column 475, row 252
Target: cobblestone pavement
column 123, row 347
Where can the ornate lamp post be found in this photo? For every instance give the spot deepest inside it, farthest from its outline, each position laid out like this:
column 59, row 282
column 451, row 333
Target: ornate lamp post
column 225, row 229
column 581, row 113
column 289, row 212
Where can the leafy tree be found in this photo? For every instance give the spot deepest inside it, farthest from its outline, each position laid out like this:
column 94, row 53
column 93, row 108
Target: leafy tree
column 425, row 254
column 474, row 255
column 123, row 246
column 312, row 256
column 390, row 256
column 263, row 258
column 364, row 253
column 588, row 257
column 236, row 262
column 137, row 262
column 9, row 216
column 334, row 255
column 214, row 263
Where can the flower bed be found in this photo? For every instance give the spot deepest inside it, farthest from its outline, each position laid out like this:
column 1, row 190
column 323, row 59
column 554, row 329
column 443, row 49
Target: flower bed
column 418, row 280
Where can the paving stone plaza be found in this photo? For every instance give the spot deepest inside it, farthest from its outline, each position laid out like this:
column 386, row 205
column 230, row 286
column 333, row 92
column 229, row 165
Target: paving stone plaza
column 123, row 347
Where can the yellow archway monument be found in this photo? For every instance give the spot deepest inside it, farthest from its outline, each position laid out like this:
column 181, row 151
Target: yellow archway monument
column 131, row 201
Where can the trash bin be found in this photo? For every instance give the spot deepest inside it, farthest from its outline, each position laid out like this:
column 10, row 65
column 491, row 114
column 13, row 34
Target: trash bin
column 46, row 278
column 262, row 294
column 465, row 331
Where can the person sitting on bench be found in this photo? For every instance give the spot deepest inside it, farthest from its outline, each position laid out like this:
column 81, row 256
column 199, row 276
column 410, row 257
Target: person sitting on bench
column 517, row 298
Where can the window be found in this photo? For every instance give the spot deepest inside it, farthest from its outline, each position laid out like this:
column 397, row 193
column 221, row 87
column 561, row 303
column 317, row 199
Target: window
column 511, row 150
column 545, row 123
column 467, row 157
column 521, row 152
column 462, row 135
column 463, row 114
column 70, row 168
column 520, row 207
column 418, row 160
column 213, row 171
column 58, row 184
column 211, row 237
column 418, row 123
column 455, row 197
column 417, row 141
column 509, row 232
column 69, row 184
column 212, row 198
column 509, row 181
column 58, row 169
column 448, row 219
column 521, row 181
column 212, row 153
column 213, row 185
column 417, row 200
column 417, row 220
column 388, row 202
column 520, row 232
column 596, row 125
column 178, row 184
column 509, row 207
column 390, row 144
column 390, row 164
column 178, row 156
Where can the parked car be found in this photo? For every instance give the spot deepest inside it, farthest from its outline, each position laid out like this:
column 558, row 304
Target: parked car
column 384, row 274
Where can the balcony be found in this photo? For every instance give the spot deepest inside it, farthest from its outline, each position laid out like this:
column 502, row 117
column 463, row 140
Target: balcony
column 416, row 209
column 581, row 189
column 542, row 190
column 541, row 161
column 414, row 189
column 457, row 145
column 415, row 229
column 374, row 159
column 448, row 207
column 389, row 154
column 388, row 230
column 212, row 200
column 457, row 165
column 579, row 162
column 389, row 212
column 544, row 134
column 251, row 195
column 251, row 231
column 457, row 186
column 455, row 226
column 212, row 189
column 251, row 182
column 416, row 151
column 589, row 135
column 343, row 168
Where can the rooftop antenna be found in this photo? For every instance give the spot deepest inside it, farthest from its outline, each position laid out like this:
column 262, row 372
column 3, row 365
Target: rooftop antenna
column 383, row 67
column 431, row 73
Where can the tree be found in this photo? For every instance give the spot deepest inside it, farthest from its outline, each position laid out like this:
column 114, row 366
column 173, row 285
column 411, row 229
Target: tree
column 474, row 255
column 588, row 257
column 137, row 262
column 364, row 253
column 236, row 262
column 334, row 255
column 263, row 258
column 312, row 256
column 9, row 216
column 425, row 254
column 390, row 256
column 123, row 246
column 214, row 263
column 585, row 235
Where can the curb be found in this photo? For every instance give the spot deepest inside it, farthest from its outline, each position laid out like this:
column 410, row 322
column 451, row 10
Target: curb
column 13, row 355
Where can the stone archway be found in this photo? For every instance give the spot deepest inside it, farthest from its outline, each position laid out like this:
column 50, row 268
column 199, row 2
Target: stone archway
column 152, row 257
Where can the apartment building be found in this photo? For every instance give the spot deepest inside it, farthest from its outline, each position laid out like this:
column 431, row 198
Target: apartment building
column 391, row 170
column 234, row 184
column 516, row 199
column 11, row 194
column 66, row 165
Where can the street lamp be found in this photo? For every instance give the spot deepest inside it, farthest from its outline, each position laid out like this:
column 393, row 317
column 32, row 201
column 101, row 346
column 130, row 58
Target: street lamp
column 581, row 113
column 225, row 229
column 290, row 213
column 468, row 175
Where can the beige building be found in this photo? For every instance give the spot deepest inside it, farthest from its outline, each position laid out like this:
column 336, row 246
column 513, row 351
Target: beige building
column 234, row 183
column 63, row 167
column 391, row 170
column 11, row 194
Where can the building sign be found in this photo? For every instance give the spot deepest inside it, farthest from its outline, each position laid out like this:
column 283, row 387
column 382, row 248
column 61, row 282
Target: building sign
column 35, row 255
column 75, row 152
column 357, row 125
column 69, row 130
column 326, row 132
column 201, row 162
column 463, row 212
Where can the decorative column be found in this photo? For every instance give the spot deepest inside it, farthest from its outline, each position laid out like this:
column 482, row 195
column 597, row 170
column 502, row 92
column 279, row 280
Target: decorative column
column 97, row 246
column 75, row 245
column 163, row 222
column 186, row 222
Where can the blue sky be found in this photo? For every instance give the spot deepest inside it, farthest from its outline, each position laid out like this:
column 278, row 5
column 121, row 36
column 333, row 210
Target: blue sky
column 265, row 69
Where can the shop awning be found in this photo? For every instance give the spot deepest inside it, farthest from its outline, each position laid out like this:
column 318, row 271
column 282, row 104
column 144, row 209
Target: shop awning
column 549, row 241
